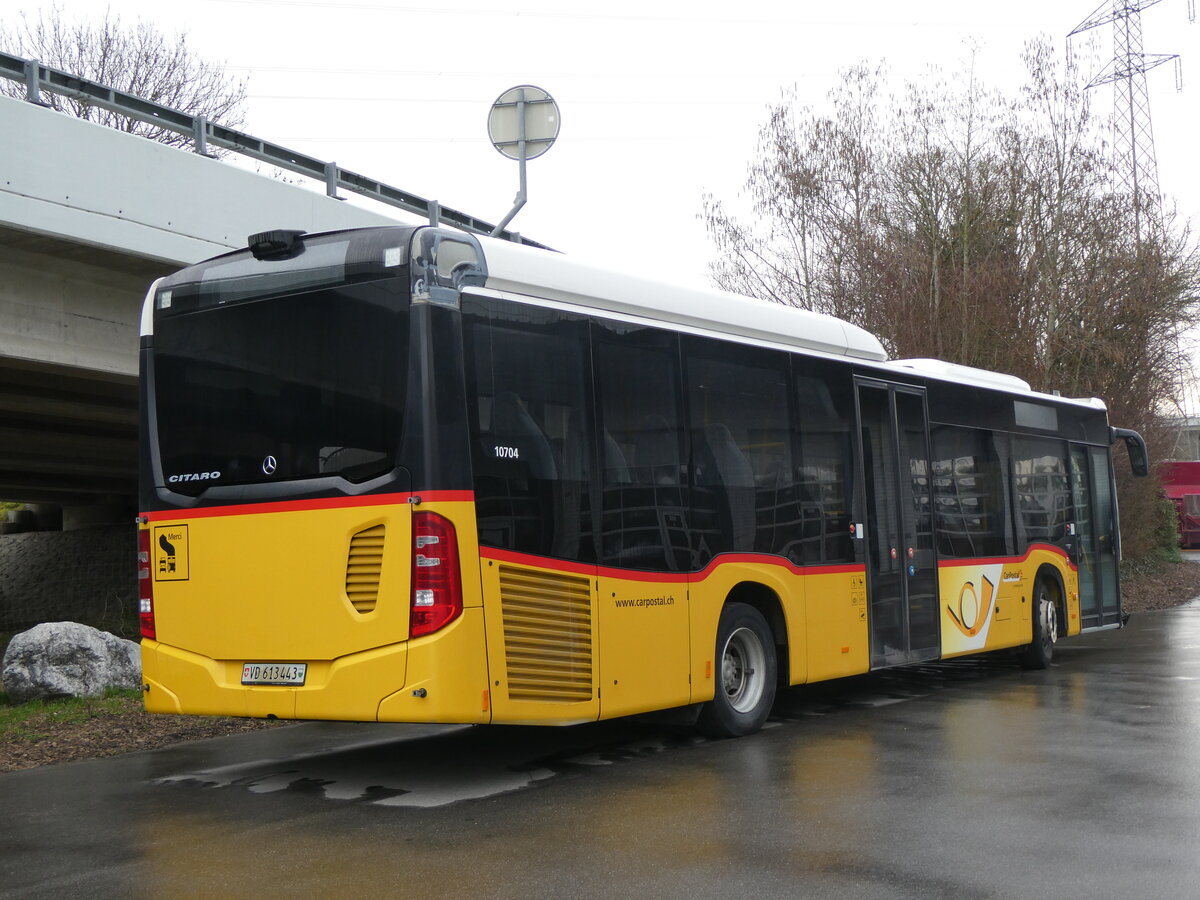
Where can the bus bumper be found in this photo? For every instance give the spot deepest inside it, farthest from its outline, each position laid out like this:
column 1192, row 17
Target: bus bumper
column 439, row 678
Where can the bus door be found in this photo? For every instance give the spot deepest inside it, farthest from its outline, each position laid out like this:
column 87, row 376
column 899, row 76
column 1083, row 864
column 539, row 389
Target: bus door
column 1095, row 537
column 898, row 538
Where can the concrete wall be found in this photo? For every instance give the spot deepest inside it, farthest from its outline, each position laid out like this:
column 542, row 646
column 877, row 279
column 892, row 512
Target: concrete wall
column 69, row 312
column 91, row 184
column 86, row 576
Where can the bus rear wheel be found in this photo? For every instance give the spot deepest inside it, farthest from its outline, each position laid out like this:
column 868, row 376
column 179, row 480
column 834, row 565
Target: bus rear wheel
column 1040, row 651
column 745, row 674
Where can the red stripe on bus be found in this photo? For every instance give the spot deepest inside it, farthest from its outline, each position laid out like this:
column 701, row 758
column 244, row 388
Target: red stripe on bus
column 558, row 565
column 541, row 562
column 1004, row 560
column 248, row 509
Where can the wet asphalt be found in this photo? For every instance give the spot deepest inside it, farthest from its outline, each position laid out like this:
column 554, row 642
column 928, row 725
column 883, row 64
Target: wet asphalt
column 967, row 779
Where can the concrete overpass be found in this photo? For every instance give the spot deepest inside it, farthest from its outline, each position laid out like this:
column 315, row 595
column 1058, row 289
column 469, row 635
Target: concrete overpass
column 89, row 216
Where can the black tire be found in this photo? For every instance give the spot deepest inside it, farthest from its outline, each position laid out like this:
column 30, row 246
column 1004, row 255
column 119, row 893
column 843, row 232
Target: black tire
column 745, row 669
column 1040, row 651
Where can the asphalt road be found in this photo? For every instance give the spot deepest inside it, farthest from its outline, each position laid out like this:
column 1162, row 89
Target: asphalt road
column 962, row 780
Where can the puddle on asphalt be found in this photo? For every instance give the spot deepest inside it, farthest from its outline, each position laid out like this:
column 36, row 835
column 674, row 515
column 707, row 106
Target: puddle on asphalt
column 425, row 773
column 487, row 761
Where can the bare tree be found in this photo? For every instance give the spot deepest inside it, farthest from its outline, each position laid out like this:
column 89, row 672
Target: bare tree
column 137, row 59
column 815, row 194
column 959, row 224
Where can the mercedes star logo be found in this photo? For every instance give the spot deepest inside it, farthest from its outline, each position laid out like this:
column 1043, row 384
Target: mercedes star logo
column 270, row 464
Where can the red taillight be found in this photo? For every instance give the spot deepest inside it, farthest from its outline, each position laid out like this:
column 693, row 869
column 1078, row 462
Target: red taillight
column 145, row 585
column 436, row 582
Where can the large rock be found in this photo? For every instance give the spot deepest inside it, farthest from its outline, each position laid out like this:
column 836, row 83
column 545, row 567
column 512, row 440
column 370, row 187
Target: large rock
column 65, row 659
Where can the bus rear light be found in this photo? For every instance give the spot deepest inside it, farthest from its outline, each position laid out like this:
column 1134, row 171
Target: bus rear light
column 145, row 585
column 437, row 582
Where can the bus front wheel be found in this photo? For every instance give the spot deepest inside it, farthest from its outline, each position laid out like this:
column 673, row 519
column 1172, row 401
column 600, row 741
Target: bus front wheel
column 1040, row 650
column 745, row 674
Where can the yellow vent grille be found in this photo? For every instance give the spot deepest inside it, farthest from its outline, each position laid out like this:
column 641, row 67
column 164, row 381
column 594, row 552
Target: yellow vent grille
column 363, row 566
column 547, row 635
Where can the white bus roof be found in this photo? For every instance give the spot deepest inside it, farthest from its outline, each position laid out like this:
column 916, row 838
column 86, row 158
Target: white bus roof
column 531, row 272
column 536, row 273
column 946, row 371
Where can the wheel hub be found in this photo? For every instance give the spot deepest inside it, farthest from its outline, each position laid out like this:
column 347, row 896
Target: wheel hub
column 742, row 665
column 1049, row 621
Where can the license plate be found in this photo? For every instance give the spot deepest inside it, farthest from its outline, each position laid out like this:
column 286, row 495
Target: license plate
column 274, row 673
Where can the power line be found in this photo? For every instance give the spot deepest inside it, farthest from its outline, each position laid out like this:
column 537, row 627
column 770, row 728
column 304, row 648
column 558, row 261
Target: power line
column 523, row 73
column 475, row 101
column 501, row 12
column 575, row 139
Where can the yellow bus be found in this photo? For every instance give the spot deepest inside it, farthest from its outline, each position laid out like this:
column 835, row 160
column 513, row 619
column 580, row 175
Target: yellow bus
column 407, row 474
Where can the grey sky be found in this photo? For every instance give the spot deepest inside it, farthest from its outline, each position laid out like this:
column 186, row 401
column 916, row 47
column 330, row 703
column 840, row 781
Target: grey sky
column 661, row 101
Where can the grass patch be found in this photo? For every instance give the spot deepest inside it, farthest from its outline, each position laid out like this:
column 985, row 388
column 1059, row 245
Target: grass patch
column 25, row 721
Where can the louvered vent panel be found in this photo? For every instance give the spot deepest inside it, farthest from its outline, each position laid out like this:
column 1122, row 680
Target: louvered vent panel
column 547, row 635
column 363, row 567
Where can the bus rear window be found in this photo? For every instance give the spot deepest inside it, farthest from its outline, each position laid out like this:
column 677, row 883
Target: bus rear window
column 319, row 261
column 299, row 386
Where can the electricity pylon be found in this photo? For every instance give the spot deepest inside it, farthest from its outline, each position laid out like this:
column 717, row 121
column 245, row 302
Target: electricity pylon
column 1136, row 169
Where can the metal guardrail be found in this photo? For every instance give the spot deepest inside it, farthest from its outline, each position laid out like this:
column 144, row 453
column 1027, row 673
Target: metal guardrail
column 38, row 78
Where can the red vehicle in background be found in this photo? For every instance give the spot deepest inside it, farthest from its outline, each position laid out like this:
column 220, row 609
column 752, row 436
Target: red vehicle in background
column 1181, row 480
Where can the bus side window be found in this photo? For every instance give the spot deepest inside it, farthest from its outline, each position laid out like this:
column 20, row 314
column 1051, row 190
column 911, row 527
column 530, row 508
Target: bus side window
column 528, row 380
column 738, row 410
column 825, row 403
column 644, row 517
column 1042, row 485
column 970, row 492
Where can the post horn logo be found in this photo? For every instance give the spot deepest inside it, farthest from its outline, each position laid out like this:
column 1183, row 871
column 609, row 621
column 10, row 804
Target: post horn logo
column 973, row 610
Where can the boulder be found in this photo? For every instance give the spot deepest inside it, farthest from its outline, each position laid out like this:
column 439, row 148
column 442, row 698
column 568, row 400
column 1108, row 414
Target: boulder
column 66, row 659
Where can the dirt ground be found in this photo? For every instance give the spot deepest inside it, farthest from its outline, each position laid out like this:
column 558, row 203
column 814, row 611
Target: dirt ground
column 1161, row 587
column 43, row 742
column 126, row 727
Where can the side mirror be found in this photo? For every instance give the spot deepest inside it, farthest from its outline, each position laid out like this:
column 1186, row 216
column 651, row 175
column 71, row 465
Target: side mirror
column 1139, row 459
